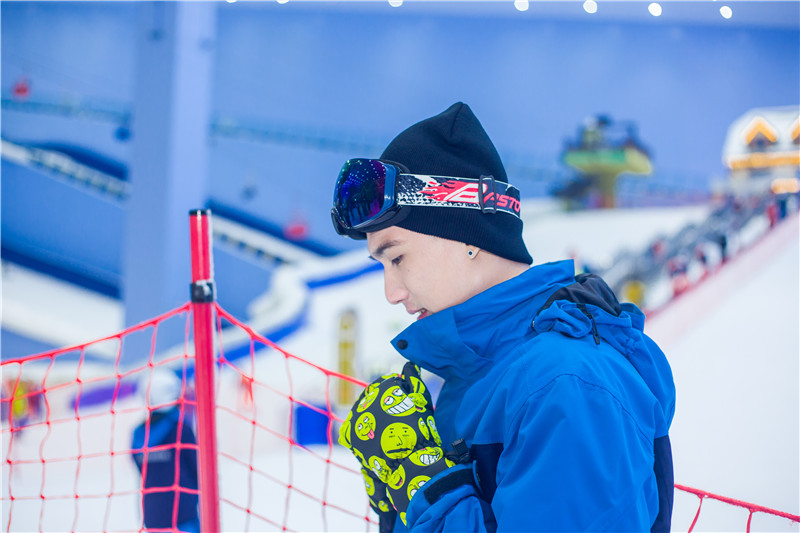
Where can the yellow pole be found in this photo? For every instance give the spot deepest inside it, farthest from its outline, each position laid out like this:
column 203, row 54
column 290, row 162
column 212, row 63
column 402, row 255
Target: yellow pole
column 347, row 356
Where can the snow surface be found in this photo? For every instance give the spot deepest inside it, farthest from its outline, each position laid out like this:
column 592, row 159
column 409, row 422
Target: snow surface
column 734, row 348
column 733, row 343
column 597, row 236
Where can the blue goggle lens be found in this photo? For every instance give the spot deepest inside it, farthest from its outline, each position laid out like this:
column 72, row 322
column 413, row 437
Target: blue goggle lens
column 361, row 191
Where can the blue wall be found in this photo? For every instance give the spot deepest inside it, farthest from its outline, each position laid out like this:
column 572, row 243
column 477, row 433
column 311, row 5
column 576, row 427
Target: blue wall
column 55, row 222
column 300, row 87
column 66, row 228
column 530, row 82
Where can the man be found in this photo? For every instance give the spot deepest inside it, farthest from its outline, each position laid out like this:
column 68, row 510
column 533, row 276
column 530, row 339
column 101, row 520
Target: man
column 165, row 453
column 555, row 409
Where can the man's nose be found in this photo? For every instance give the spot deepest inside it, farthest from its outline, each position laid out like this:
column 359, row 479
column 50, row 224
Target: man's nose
column 394, row 290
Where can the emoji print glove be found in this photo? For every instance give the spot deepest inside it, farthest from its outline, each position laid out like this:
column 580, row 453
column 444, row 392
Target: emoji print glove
column 412, row 473
column 392, row 432
column 378, row 499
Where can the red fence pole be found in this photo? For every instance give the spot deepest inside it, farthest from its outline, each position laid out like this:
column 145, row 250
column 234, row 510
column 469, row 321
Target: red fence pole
column 202, row 292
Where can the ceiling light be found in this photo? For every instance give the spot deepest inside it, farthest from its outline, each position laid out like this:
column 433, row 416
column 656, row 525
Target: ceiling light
column 726, row 12
column 521, row 5
column 654, row 9
column 395, row 3
column 590, row 6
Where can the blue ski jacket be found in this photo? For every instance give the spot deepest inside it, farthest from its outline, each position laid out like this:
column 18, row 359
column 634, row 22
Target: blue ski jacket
column 563, row 404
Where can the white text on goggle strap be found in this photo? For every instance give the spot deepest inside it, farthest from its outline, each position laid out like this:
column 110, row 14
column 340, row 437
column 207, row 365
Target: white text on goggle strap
column 454, row 191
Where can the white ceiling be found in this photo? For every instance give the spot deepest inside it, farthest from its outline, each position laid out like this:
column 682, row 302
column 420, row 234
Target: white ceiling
column 783, row 14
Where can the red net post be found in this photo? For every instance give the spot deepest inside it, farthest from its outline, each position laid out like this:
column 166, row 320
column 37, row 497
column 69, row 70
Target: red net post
column 202, row 291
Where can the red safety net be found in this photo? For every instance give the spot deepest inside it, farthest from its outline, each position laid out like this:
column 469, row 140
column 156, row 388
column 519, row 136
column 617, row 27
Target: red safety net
column 278, row 433
column 71, row 416
column 70, row 420
column 750, row 507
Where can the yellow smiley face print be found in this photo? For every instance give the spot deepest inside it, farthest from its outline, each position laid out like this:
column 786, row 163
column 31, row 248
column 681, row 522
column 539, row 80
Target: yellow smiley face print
column 426, row 456
column 378, row 465
column 365, row 426
column 398, row 440
column 368, row 483
column 397, row 478
column 434, row 431
column 396, row 403
column 369, row 395
column 415, row 484
column 423, row 428
column 344, row 432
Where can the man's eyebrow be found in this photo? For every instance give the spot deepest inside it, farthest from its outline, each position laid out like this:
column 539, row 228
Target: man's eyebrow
column 382, row 249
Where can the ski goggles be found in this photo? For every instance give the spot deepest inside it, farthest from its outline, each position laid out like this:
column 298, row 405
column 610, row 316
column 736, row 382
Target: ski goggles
column 370, row 194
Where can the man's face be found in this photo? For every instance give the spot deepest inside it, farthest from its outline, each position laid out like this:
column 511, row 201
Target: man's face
column 424, row 273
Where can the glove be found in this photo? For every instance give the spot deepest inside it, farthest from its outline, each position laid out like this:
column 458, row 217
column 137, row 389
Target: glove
column 378, row 499
column 392, row 432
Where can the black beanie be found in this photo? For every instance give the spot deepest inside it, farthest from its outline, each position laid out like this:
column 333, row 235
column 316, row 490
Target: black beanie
column 453, row 143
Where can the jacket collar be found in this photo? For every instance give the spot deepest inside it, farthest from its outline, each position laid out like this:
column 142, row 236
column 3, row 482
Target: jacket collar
column 460, row 341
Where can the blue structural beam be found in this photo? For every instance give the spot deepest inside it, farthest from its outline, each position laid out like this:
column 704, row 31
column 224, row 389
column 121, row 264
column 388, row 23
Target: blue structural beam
column 168, row 171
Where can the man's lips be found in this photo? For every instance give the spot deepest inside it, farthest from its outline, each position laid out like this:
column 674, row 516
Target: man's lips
column 422, row 313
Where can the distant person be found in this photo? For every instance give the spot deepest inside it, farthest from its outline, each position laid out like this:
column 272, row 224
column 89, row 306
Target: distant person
column 678, row 269
column 25, row 403
column 633, row 291
column 783, row 202
column 702, row 258
column 169, row 470
column 721, row 238
column 555, row 409
column 772, row 212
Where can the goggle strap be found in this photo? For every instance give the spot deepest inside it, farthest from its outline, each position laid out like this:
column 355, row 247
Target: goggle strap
column 485, row 193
